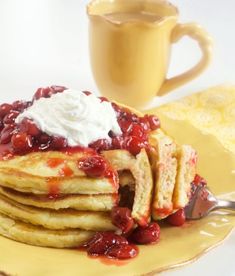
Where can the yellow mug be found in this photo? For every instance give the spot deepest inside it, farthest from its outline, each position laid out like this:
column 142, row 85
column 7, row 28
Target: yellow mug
column 130, row 45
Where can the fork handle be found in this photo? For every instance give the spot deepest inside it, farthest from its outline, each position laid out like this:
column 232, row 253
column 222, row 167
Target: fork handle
column 225, row 204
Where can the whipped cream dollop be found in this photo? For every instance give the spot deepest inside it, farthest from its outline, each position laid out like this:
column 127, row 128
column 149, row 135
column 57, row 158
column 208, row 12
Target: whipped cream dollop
column 79, row 118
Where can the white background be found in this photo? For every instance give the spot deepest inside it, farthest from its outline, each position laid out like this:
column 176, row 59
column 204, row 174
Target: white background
column 45, row 42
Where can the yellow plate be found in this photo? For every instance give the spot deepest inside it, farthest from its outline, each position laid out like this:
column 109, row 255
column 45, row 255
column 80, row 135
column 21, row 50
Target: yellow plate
column 177, row 246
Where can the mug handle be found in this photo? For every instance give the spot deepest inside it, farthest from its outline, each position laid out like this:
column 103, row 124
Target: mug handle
column 196, row 32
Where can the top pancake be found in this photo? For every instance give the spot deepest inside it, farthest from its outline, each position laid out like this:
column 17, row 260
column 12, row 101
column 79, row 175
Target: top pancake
column 33, row 173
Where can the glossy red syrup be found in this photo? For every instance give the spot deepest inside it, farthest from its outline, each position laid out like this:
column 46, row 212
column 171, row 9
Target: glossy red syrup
column 112, row 262
column 163, row 212
column 55, row 162
column 66, row 171
column 53, row 188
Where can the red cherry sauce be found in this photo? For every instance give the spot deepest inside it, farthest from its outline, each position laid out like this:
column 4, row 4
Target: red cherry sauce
column 26, row 137
column 97, row 166
column 66, row 171
column 55, row 162
column 163, row 212
column 110, row 245
column 53, row 188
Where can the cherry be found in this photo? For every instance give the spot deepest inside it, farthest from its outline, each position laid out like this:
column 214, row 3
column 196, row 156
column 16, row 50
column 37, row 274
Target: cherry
column 137, row 131
column 58, row 143
column 100, row 145
column 122, row 251
column 93, row 166
column 21, row 142
column 20, row 105
column 101, row 241
column 199, row 180
column 125, row 125
column 103, row 99
column 44, row 141
column 121, row 217
column 146, row 235
column 153, row 121
column 117, row 109
column 42, row 93
column 87, row 93
column 126, row 115
column 133, row 144
column 29, row 127
column 58, row 88
column 144, row 122
column 10, row 117
column 1, row 125
column 5, row 109
column 48, row 91
column 44, row 138
column 7, row 133
column 117, row 142
column 177, row 219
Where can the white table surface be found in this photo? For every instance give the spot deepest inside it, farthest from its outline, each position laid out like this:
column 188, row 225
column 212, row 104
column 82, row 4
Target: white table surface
column 45, row 42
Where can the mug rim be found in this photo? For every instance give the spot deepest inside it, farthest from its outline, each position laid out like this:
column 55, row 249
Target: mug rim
column 175, row 10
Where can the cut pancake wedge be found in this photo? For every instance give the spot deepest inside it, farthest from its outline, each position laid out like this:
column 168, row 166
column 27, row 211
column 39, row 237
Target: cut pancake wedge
column 62, row 219
column 187, row 159
column 165, row 174
column 39, row 236
column 140, row 169
column 78, row 202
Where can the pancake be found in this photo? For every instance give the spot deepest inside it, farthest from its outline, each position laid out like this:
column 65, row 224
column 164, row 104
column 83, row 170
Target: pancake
column 78, row 202
column 143, row 189
column 39, row 236
column 165, row 174
column 185, row 174
column 140, row 169
column 45, row 164
column 23, row 182
column 33, row 174
column 62, row 219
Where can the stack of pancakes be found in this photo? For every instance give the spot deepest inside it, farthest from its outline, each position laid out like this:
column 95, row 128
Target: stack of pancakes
column 160, row 182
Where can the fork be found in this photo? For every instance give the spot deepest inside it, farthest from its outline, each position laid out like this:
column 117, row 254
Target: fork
column 203, row 202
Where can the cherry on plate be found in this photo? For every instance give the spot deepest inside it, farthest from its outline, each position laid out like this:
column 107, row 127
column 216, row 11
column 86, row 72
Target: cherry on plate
column 146, row 235
column 177, row 219
column 122, row 251
column 101, row 241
